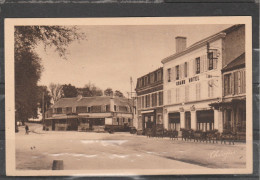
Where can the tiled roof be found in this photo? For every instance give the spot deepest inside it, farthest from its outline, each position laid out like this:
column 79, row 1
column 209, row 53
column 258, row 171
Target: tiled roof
column 91, row 101
column 239, row 62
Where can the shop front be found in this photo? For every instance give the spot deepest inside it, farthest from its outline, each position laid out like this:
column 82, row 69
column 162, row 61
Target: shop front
column 174, row 121
column 148, row 119
column 205, row 120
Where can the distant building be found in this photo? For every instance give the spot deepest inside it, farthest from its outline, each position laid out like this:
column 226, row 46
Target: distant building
column 193, row 80
column 89, row 113
column 149, row 90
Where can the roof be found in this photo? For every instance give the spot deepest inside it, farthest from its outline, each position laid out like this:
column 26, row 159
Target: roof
column 91, row 101
column 238, row 62
column 202, row 42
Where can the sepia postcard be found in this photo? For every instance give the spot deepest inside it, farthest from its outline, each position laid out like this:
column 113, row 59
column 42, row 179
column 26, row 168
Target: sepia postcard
column 128, row 96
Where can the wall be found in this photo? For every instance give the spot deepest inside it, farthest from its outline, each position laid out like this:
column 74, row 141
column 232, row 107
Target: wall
column 233, row 45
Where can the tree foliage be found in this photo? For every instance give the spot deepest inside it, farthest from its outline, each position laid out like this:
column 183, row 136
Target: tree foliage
column 43, row 98
column 55, row 91
column 90, row 90
column 118, row 93
column 69, row 91
column 108, row 92
column 28, row 66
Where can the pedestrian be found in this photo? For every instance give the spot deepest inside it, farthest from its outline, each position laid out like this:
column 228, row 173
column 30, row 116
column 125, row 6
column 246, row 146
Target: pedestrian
column 26, row 129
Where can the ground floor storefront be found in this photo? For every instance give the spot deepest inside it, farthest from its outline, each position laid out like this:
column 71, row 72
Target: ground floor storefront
column 233, row 115
column 197, row 116
column 152, row 118
column 87, row 122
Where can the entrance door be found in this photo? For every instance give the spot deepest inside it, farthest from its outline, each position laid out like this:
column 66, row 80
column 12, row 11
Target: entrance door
column 53, row 124
column 187, row 120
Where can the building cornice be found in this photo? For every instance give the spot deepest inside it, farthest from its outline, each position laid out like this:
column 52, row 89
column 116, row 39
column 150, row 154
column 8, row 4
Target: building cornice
column 194, row 47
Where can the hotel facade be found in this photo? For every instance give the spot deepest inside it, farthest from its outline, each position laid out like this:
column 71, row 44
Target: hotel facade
column 193, row 80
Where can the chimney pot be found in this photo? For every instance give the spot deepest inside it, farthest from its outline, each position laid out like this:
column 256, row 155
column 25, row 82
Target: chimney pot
column 180, row 43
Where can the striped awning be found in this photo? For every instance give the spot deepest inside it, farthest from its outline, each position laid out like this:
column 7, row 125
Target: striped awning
column 148, row 111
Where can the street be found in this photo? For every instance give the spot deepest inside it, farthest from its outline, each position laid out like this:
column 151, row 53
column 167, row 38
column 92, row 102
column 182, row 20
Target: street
column 89, row 150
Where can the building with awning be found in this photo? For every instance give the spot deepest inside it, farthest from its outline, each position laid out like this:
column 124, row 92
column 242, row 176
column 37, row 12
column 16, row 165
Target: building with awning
column 149, row 90
column 233, row 104
column 193, row 80
column 89, row 113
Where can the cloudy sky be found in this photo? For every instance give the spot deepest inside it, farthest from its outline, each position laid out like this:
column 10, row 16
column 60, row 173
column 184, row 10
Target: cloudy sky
column 113, row 54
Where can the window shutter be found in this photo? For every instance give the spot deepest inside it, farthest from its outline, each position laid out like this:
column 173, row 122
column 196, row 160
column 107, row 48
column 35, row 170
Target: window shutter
column 201, row 64
column 232, row 83
column 215, row 61
column 212, row 88
column 188, row 70
column 205, row 61
column 186, row 93
column 194, row 66
column 166, row 75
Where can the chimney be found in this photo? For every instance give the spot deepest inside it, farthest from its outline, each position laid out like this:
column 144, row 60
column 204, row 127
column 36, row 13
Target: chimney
column 112, row 103
column 180, row 43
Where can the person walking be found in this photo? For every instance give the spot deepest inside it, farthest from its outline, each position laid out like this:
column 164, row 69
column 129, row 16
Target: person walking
column 26, row 129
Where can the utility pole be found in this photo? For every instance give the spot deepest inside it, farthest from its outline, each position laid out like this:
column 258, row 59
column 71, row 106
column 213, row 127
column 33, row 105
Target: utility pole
column 131, row 82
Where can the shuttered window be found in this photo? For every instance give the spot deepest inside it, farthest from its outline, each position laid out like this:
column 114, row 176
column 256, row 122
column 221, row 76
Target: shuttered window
column 173, row 74
column 177, row 95
column 160, row 98
column 197, row 65
column 197, row 91
column 169, row 96
column 169, row 75
column 177, row 70
column 186, row 69
column 186, row 93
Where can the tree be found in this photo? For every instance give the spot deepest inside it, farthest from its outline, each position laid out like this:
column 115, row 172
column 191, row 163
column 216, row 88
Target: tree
column 44, row 98
column 119, row 93
column 90, row 90
column 69, row 91
column 55, row 91
column 28, row 66
column 108, row 92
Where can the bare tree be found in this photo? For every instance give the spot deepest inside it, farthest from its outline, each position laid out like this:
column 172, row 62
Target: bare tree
column 56, row 91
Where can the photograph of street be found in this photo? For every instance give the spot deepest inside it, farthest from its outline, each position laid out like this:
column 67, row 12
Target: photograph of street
column 130, row 96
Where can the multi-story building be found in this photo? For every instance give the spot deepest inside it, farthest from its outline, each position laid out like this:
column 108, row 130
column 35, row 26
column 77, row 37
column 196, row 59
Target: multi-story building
column 193, row 79
column 149, row 90
column 89, row 113
column 233, row 104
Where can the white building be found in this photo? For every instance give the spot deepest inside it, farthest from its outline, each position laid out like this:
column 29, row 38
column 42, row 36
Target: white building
column 192, row 80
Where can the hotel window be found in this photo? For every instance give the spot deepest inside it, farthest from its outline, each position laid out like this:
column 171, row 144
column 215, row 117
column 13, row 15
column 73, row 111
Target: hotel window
column 169, row 96
column 89, row 109
column 227, row 84
column 197, row 91
column 159, row 75
column 186, row 93
column 68, row 110
column 177, row 70
column 197, row 65
column 186, row 69
column 155, row 77
column 151, row 78
column 169, row 75
column 177, row 95
column 210, row 59
column 160, row 98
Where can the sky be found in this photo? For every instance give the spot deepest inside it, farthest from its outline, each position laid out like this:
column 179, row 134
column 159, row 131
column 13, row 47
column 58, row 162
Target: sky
column 110, row 55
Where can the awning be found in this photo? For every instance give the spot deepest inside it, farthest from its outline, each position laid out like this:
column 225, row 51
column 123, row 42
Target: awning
column 149, row 111
column 205, row 116
column 174, row 117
